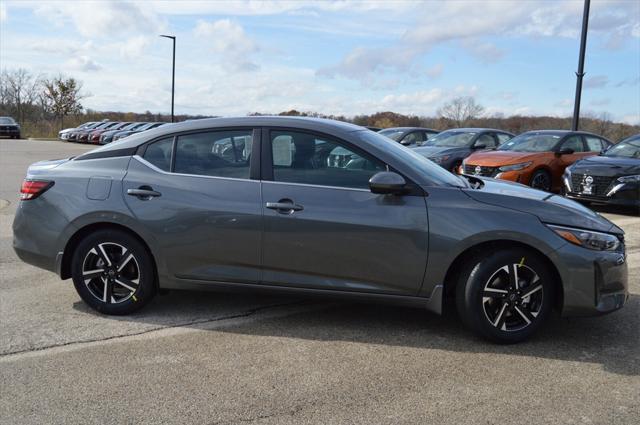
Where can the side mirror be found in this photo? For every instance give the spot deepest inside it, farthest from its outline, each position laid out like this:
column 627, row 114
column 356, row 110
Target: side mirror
column 405, row 142
column 480, row 146
column 565, row 151
column 387, row 183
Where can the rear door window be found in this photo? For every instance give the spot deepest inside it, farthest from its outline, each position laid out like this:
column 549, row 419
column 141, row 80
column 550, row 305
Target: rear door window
column 159, row 152
column 215, row 153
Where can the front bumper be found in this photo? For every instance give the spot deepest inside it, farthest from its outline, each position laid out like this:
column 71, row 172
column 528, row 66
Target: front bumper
column 9, row 132
column 594, row 282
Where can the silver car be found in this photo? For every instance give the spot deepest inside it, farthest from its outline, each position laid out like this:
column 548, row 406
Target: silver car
column 311, row 206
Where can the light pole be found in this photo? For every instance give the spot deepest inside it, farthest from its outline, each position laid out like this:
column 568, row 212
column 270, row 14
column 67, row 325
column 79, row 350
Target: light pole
column 583, row 45
column 173, row 72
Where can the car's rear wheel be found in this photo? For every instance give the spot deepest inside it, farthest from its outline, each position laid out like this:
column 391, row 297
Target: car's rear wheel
column 113, row 272
column 505, row 296
column 541, row 180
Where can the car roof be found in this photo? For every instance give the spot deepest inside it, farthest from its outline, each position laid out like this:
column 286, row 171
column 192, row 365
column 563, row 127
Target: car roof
column 331, row 127
column 477, row 129
column 408, row 128
column 564, row 132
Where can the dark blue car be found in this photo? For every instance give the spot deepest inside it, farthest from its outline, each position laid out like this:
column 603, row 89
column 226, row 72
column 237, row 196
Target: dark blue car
column 450, row 147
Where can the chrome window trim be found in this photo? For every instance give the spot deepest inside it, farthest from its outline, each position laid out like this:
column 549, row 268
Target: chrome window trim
column 154, row 168
column 317, row 185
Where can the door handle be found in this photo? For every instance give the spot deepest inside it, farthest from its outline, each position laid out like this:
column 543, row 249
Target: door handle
column 143, row 192
column 284, row 206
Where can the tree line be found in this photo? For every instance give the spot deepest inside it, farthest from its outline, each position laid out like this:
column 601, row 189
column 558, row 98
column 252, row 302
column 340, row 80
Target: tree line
column 44, row 105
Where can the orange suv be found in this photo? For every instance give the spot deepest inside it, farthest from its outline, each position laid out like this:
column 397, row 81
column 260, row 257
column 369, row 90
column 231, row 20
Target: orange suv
column 536, row 158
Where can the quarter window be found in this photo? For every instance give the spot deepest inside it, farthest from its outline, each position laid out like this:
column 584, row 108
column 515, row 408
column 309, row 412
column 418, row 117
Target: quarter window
column 158, row 153
column 594, row 144
column 413, row 137
column 574, row 143
column 215, row 153
column 503, row 137
column 308, row 159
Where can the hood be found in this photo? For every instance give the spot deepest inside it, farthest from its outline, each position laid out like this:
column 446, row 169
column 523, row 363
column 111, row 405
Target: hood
column 548, row 207
column 496, row 158
column 607, row 166
column 430, row 151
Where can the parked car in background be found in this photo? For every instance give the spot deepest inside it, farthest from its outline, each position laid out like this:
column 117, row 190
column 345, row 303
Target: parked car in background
column 64, row 134
column 147, row 126
column 107, row 136
column 536, row 158
column 75, row 135
column 9, row 128
column 166, row 209
column 94, row 136
column 611, row 178
column 408, row 136
column 449, row 148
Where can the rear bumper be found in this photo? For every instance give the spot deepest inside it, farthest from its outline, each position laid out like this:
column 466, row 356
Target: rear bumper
column 36, row 231
column 594, row 282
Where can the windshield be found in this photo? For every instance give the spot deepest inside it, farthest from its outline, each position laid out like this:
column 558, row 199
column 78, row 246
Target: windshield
column 629, row 149
column 454, row 139
column 392, row 134
column 7, row 120
column 420, row 164
column 531, row 142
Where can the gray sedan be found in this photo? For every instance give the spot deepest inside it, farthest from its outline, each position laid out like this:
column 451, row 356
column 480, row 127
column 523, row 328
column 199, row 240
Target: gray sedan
column 313, row 207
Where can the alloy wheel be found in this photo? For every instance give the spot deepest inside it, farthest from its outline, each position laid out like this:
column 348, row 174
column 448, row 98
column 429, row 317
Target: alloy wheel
column 541, row 181
column 111, row 273
column 512, row 297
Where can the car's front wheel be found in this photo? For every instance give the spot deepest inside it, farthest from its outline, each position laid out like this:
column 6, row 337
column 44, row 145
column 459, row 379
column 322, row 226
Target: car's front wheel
column 505, row 296
column 113, row 272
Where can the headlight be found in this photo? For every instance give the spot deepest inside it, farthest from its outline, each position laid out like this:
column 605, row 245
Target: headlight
column 515, row 167
column 629, row 179
column 587, row 238
column 440, row 159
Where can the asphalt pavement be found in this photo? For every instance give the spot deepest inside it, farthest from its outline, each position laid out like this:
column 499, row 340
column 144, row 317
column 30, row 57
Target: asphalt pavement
column 213, row 358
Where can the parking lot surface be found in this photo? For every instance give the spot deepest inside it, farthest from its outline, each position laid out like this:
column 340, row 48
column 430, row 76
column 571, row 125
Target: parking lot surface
column 211, row 358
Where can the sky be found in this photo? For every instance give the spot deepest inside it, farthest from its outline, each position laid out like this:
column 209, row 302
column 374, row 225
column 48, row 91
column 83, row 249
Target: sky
column 333, row 57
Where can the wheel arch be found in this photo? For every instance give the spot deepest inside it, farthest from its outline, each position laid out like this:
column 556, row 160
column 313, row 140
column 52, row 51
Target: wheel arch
column 453, row 271
column 81, row 233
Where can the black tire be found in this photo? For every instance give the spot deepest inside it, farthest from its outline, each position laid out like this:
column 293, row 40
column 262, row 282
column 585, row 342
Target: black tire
column 488, row 303
column 113, row 265
column 541, row 180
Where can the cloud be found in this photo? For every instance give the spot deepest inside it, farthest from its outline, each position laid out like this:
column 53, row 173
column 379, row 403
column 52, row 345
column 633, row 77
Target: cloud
column 61, row 46
column 596, row 82
column 101, row 18
column 466, row 22
column 83, row 63
column 134, row 47
column 564, row 103
column 629, row 82
column 3, row 12
column 229, row 39
column 435, row 71
column 484, row 52
column 600, row 102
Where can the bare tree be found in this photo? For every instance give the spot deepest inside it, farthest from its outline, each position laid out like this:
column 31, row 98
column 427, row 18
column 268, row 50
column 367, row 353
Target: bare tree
column 19, row 90
column 461, row 110
column 62, row 97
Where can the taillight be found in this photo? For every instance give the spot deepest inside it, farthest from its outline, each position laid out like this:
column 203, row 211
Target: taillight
column 31, row 189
